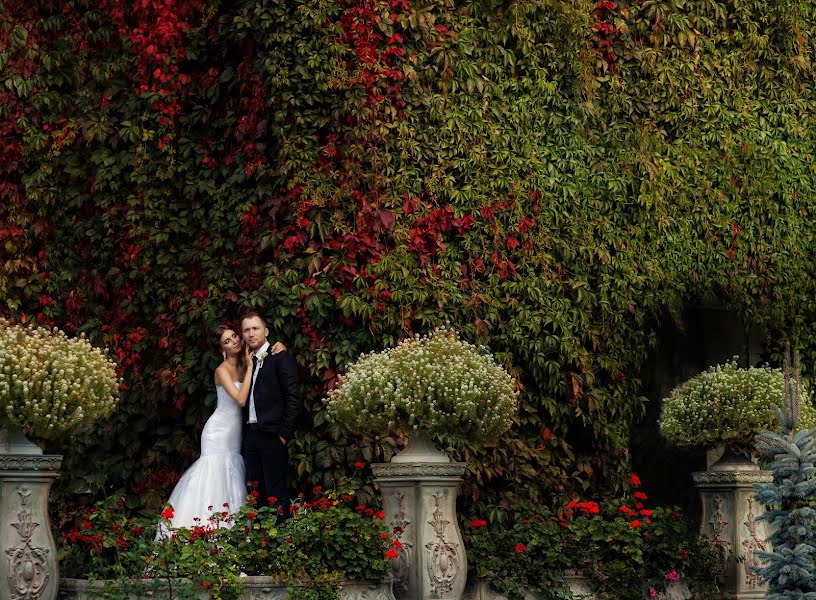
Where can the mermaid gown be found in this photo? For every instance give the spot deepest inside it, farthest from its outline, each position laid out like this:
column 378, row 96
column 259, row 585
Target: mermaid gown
column 218, row 476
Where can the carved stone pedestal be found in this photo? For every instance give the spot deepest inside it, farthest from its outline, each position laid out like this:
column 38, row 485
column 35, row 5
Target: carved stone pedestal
column 729, row 520
column 28, row 557
column 420, row 505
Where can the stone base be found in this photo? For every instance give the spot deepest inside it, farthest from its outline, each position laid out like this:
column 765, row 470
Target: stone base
column 420, row 505
column 578, row 587
column 729, row 520
column 255, row 588
column 29, row 567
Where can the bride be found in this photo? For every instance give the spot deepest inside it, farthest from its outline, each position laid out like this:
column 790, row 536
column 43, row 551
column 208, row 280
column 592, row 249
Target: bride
column 216, row 481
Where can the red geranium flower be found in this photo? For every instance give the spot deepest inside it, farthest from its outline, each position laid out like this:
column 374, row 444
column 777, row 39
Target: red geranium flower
column 391, row 553
column 634, row 524
column 521, row 548
column 478, row 523
column 359, row 465
column 167, row 513
column 634, row 480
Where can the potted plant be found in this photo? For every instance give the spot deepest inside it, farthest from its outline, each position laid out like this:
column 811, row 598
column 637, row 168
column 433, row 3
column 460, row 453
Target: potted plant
column 729, row 406
column 434, row 385
column 50, row 385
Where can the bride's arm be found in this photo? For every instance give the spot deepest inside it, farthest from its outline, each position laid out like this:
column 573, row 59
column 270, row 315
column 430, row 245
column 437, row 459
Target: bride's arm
column 223, row 379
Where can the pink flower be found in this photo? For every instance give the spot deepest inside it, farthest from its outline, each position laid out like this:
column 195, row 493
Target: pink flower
column 652, row 593
column 672, row 576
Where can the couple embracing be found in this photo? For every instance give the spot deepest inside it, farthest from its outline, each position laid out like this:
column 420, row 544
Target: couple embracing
column 245, row 438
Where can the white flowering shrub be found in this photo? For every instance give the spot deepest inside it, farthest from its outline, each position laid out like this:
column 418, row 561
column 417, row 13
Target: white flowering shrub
column 52, row 384
column 436, row 383
column 728, row 405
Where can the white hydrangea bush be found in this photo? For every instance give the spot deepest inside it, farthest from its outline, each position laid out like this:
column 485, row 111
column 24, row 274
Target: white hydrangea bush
column 52, row 384
column 435, row 383
column 728, row 405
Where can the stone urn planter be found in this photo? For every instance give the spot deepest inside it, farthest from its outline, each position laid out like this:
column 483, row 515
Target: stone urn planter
column 54, row 385
column 255, row 588
column 432, row 384
column 729, row 520
column 28, row 568
column 419, row 489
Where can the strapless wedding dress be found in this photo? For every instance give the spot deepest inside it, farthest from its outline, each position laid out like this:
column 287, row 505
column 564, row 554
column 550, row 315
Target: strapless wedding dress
column 218, row 476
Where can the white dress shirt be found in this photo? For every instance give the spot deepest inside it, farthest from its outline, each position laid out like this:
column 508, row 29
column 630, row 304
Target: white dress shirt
column 253, row 416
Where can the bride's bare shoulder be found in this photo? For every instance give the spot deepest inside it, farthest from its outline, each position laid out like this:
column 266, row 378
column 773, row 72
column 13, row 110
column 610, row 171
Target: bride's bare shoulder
column 221, row 371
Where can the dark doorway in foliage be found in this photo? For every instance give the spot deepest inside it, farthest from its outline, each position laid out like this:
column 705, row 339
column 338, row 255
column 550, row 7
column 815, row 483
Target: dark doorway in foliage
column 708, row 335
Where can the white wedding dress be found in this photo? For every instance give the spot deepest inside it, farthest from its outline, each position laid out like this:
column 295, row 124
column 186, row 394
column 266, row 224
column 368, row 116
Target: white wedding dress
column 218, row 476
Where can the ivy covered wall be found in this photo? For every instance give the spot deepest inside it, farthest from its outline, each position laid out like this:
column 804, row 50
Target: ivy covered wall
column 552, row 177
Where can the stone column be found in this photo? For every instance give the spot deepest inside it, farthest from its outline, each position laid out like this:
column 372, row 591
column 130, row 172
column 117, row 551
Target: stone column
column 729, row 520
column 420, row 506
column 29, row 568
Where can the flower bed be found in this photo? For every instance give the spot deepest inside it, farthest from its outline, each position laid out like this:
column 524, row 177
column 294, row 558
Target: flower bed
column 324, row 541
column 625, row 549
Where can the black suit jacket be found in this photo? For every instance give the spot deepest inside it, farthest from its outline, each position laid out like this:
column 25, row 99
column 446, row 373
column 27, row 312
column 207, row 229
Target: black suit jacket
column 277, row 395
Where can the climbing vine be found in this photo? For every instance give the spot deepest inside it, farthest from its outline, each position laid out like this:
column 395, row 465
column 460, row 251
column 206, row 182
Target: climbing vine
column 551, row 178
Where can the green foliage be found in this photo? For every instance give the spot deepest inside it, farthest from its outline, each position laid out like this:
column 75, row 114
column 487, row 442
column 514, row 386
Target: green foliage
column 551, row 178
column 727, row 405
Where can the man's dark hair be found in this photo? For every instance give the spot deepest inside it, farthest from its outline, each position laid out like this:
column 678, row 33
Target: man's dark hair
column 250, row 314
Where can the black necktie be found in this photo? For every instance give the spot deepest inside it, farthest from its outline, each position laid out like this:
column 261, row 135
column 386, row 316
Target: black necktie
column 252, row 385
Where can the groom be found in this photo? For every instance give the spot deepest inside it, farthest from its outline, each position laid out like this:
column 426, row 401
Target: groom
column 270, row 412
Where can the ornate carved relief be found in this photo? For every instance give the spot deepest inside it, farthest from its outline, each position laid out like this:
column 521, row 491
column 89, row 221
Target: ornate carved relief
column 752, row 544
column 48, row 462
column 418, row 470
column 718, row 524
column 717, row 477
column 443, row 557
column 402, row 564
column 28, row 564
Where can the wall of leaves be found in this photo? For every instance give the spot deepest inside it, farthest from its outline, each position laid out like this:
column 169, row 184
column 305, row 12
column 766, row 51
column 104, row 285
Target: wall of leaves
column 552, row 177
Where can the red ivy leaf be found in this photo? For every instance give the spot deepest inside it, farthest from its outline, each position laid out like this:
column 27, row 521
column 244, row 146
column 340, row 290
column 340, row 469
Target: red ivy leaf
column 387, row 217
